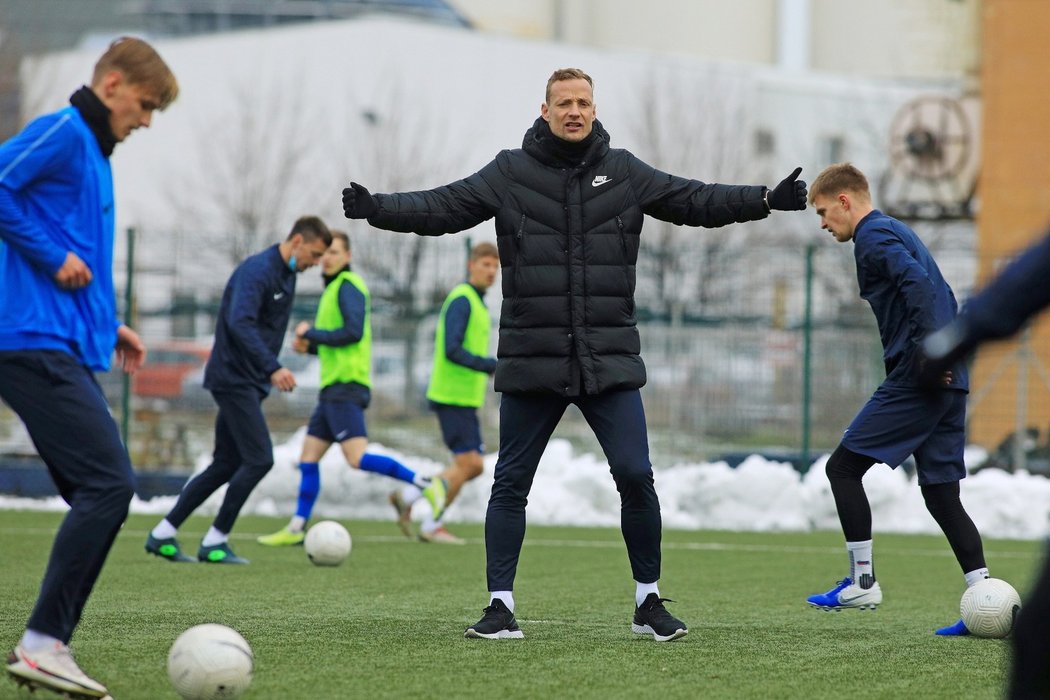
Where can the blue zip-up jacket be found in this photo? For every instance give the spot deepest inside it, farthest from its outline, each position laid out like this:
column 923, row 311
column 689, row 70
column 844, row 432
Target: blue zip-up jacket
column 253, row 319
column 56, row 195
column 907, row 293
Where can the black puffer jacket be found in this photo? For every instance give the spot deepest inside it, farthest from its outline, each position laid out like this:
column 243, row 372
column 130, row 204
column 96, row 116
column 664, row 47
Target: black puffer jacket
column 568, row 238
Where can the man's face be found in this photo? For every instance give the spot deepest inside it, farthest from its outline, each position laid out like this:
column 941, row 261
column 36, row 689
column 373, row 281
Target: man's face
column 570, row 110
column 483, row 271
column 307, row 254
column 130, row 106
column 335, row 258
column 834, row 215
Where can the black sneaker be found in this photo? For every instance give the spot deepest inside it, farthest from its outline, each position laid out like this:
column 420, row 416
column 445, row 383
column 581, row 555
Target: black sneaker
column 497, row 623
column 652, row 618
column 167, row 548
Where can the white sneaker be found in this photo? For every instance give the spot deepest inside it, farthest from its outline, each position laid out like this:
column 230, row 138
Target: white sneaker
column 847, row 594
column 441, row 536
column 54, row 669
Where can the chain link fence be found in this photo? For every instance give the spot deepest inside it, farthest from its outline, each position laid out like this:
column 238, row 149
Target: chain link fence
column 726, row 377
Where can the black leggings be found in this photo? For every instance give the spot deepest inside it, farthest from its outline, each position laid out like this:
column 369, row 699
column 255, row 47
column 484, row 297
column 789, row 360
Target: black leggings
column 846, row 469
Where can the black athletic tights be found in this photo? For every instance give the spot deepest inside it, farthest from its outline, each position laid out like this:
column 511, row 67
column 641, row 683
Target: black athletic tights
column 845, row 469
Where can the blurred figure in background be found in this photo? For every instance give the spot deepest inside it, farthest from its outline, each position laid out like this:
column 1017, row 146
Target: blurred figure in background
column 458, row 381
column 341, row 336
column 1020, row 291
column 243, row 366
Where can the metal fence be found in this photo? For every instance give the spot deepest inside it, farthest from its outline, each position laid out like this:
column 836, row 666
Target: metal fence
column 727, row 376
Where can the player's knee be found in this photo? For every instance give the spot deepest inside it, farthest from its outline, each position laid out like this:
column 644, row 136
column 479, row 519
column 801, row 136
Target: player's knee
column 472, row 466
column 845, row 464
column 942, row 499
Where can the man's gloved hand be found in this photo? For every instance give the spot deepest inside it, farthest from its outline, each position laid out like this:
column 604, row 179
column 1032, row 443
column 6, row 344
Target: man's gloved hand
column 941, row 350
column 358, row 203
column 789, row 195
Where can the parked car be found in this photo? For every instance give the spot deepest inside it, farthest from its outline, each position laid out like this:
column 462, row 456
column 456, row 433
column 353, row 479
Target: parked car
column 167, row 365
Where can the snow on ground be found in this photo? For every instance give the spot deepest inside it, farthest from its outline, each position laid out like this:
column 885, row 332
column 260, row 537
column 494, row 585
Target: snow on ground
column 576, row 489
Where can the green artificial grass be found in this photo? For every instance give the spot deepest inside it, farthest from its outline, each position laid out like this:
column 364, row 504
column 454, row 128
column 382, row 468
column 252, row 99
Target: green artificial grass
column 389, row 622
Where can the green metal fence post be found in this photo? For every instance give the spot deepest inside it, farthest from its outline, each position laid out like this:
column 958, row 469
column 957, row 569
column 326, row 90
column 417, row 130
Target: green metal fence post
column 807, row 356
column 125, row 393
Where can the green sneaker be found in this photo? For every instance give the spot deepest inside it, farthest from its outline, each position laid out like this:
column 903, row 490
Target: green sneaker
column 282, row 538
column 167, row 548
column 436, row 494
column 219, row 554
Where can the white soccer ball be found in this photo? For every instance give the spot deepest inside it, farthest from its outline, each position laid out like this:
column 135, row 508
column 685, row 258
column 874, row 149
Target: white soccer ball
column 989, row 608
column 327, row 543
column 210, row 662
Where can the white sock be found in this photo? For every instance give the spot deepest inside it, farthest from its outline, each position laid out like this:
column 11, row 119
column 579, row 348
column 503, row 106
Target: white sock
column 642, row 591
column 860, row 562
column 297, row 523
column 214, row 537
column 411, row 493
column 428, row 523
column 33, row 641
column 506, row 596
column 164, row 530
column 975, row 576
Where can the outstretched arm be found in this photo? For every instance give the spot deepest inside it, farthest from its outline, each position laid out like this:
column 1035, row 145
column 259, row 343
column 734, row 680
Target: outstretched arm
column 999, row 310
column 454, row 207
column 693, row 203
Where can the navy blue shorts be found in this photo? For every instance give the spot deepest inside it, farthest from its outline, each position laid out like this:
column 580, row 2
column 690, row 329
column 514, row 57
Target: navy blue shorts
column 337, row 421
column 459, row 427
column 898, row 422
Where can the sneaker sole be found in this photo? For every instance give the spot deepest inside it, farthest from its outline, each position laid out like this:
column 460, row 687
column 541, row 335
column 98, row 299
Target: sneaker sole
column 280, row 544
column 33, row 682
column 471, row 633
column 646, row 629
column 837, row 608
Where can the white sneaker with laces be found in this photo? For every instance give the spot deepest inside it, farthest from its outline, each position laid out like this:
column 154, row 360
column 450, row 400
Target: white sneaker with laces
column 54, row 669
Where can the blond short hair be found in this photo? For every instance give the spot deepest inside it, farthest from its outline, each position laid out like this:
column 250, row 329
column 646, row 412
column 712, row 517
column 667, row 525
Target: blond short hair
column 484, row 250
column 840, row 177
column 566, row 74
column 141, row 65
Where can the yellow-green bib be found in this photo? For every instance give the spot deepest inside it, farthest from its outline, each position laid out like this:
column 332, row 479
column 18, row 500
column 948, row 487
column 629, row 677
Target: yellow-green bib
column 454, row 384
column 347, row 363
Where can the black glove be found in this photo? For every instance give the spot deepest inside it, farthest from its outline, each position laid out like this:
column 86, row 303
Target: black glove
column 941, row 350
column 789, row 195
column 358, row 203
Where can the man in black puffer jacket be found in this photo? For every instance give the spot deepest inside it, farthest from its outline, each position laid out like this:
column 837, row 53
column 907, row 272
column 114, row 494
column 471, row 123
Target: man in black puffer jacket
column 569, row 212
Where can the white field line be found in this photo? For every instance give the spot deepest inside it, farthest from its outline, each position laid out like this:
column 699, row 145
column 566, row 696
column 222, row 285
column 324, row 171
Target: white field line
column 611, row 544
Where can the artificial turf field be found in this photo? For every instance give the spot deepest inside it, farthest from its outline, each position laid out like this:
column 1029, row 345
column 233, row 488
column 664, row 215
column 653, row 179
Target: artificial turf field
column 389, row 622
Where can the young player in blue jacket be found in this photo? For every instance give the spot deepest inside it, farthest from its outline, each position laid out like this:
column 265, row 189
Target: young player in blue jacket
column 1019, row 292
column 249, row 333
column 58, row 325
column 902, row 283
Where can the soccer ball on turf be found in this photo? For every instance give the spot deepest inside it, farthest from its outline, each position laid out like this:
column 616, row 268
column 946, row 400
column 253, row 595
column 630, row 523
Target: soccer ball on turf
column 210, row 662
column 989, row 608
column 327, row 543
